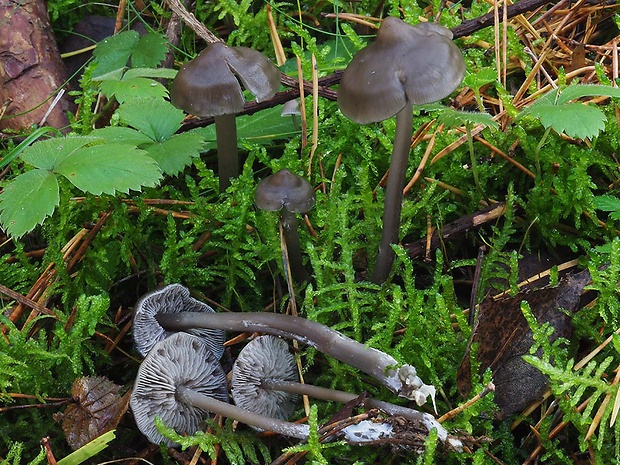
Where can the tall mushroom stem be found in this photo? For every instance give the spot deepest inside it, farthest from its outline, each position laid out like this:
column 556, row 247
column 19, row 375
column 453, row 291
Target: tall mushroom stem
column 401, row 379
column 227, row 152
column 188, row 396
column 288, row 221
column 394, row 193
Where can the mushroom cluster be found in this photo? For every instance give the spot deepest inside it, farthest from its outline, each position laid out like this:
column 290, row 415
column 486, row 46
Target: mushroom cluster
column 181, row 379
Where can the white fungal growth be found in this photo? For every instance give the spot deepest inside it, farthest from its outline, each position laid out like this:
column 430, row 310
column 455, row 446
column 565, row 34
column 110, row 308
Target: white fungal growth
column 366, row 431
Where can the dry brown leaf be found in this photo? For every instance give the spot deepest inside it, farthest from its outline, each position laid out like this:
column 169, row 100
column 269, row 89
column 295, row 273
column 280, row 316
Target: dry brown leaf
column 503, row 336
column 97, row 409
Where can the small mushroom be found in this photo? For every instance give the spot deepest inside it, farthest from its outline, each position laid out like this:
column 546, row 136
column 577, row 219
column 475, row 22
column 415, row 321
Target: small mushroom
column 405, row 66
column 291, row 108
column 399, row 378
column 264, row 380
column 289, row 194
column 180, row 381
column 173, row 298
column 210, row 85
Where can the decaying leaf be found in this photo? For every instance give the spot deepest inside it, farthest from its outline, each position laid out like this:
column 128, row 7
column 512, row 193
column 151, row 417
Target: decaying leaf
column 503, row 336
column 97, row 409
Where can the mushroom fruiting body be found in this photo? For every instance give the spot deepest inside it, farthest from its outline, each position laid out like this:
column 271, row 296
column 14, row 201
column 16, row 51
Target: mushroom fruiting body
column 264, row 358
column 179, row 361
column 399, row 378
column 289, row 194
column 264, row 380
column 181, row 381
column 405, row 66
column 210, row 85
column 173, row 298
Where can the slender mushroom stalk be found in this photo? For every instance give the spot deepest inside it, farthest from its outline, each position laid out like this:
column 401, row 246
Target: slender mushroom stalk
column 180, row 381
column 400, row 379
column 406, row 65
column 264, row 380
column 289, row 194
column 210, row 85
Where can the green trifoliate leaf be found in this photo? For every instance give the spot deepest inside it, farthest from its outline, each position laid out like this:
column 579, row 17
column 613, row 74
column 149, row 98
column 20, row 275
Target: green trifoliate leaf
column 576, row 120
column 575, row 91
column 46, row 154
column 27, row 201
column 556, row 110
column 177, row 152
column 149, row 51
column 608, row 203
column 122, row 135
column 157, row 118
column 113, row 52
column 125, row 89
column 109, row 169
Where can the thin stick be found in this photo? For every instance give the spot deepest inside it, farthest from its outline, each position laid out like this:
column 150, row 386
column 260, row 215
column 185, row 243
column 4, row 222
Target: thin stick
column 455, row 411
column 188, row 18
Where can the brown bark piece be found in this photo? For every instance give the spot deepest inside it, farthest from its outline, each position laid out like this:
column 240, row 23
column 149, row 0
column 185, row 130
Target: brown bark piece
column 503, row 336
column 31, row 70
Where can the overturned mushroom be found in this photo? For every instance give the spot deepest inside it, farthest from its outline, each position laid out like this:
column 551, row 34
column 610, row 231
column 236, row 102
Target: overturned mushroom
column 181, row 381
column 173, row 298
column 209, row 85
column 401, row 379
column 289, row 194
column 264, row 380
column 405, row 66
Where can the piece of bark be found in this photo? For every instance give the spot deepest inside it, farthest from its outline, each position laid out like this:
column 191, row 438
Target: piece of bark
column 31, row 70
column 503, row 336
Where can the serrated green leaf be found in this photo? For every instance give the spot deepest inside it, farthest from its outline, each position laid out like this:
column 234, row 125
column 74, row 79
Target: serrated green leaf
column 177, row 152
column 113, row 52
column 157, row 118
column 46, row 154
column 480, row 78
column 155, row 73
column 454, row 118
column 573, row 119
column 149, row 51
column 27, row 200
column 576, row 91
column 607, row 203
column 126, row 89
column 121, row 135
column 109, row 168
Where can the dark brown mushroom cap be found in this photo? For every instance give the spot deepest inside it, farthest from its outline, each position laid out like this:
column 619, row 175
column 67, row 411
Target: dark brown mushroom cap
column 173, row 298
column 264, row 358
column 405, row 64
column 285, row 190
column 180, row 360
column 209, row 84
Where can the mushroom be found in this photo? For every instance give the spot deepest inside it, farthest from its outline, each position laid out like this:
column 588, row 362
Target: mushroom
column 209, row 85
column 401, row 379
column 291, row 108
column 180, row 381
column 264, row 380
column 405, row 66
column 173, row 298
column 289, row 194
